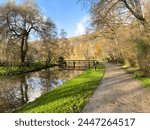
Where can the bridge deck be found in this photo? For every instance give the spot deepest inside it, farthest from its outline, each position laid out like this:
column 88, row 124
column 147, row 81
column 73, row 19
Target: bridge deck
column 78, row 64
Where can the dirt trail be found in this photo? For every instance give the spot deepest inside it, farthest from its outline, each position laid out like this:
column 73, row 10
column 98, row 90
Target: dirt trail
column 118, row 92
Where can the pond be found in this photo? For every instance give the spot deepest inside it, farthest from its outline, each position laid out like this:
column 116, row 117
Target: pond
column 17, row 90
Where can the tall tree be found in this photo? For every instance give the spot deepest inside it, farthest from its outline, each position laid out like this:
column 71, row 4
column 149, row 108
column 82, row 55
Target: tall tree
column 133, row 7
column 63, row 44
column 20, row 21
column 113, row 16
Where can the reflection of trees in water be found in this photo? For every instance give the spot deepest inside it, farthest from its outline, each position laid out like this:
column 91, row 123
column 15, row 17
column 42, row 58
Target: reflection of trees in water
column 17, row 90
column 68, row 74
column 53, row 77
column 13, row 93
column 47, row 77
column 23, row 90
column 8, row 97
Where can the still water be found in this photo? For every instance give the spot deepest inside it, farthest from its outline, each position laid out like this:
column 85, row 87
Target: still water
column 15, row 91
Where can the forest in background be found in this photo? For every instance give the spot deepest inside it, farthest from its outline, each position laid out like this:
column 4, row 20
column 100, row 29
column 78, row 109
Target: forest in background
column 120, row 33
column 27, row 36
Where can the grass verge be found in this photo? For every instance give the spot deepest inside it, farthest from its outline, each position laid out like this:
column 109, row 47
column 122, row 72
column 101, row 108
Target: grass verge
column 144, row 80
column 138, row 75
column 70, row 97
column 20, row 70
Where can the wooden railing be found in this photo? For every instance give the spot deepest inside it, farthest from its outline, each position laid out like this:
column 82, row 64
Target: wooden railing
column 75, row 63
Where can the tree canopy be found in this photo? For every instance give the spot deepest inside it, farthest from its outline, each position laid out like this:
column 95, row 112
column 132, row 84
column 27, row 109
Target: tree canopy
column 19, row 22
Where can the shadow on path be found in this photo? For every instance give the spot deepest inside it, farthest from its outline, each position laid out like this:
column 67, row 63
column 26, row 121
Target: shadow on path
column 118, row 92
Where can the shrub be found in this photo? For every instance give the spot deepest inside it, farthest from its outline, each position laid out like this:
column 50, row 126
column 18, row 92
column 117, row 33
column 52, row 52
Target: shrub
column 143, row 55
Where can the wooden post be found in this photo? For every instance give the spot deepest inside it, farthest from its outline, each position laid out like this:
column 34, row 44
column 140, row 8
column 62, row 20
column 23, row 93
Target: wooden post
column 95, row 66
column 74, row 64
column 89, row 63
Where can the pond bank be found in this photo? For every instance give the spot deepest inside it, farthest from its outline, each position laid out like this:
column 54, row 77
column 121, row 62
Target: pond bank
column 17, row 90
column 70, row 97
column 21, row 70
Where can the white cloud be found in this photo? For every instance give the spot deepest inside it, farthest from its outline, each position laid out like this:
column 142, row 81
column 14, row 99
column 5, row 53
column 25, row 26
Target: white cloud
column 82, row 25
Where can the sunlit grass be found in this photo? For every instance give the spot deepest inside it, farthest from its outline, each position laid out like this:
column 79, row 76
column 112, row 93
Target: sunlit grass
column 20, row 70
column 138, row 75
column 145, row 81
column 68, row 98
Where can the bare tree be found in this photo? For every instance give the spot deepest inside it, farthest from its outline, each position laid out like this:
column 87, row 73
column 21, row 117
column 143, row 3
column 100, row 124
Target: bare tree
column 111, row 17
column 63, row 34
column 22, row 21
column 63, row 44
column 133, row 7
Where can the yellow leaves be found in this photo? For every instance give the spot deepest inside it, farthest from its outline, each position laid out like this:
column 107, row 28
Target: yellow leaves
column 98, row 49
column 85, row 47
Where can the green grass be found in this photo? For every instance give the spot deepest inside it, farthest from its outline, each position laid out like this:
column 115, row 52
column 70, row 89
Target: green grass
column 20, row 70
column 68, row 98
column 145, row 81
column 138, row 75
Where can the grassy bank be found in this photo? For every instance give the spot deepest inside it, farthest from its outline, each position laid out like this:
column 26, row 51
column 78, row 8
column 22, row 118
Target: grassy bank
column 70, row 97
column 137, row 75
column 20, row 70
column 145, row 81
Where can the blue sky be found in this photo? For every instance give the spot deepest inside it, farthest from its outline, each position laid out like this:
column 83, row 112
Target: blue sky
column 66, row 14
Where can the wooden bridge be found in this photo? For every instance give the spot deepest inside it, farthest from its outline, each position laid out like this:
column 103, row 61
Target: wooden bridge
column 78, row 64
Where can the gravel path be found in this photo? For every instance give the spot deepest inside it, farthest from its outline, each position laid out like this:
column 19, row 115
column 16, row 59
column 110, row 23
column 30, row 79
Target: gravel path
column 118, row 93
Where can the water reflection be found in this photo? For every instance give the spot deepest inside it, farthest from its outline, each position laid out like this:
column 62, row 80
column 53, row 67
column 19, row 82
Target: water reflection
column 18, row 90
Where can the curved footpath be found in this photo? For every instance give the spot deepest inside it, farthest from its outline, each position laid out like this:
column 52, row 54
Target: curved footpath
column 118, row 93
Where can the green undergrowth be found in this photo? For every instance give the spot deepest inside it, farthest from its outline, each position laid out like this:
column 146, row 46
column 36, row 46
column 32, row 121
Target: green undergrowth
column 70, row 97
column 145, row 81
column 19, row 70
column 138, row 75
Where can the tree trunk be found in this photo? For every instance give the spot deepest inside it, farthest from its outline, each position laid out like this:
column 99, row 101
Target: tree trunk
column 22, row 52
column 24, row 49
